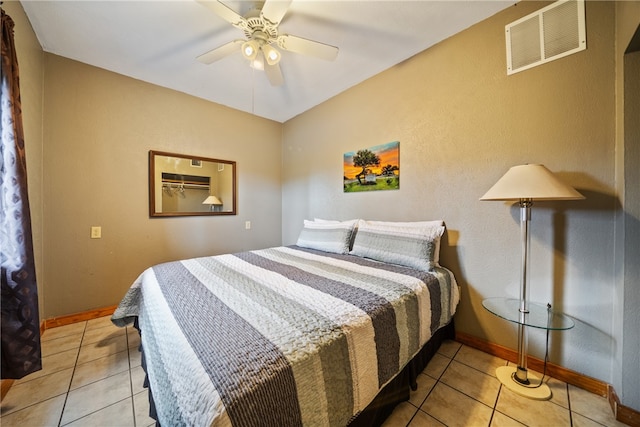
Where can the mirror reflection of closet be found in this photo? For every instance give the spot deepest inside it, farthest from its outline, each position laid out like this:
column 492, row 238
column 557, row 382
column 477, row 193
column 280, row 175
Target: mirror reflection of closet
column 183, row 185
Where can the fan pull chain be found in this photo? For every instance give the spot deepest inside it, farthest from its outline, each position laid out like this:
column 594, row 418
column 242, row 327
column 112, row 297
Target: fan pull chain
column 253, row 90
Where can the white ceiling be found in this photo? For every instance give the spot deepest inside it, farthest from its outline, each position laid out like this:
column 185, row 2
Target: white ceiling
column 158, row 42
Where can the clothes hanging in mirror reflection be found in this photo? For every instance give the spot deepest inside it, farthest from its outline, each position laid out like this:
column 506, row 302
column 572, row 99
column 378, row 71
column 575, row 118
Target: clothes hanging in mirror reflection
column 170, row 190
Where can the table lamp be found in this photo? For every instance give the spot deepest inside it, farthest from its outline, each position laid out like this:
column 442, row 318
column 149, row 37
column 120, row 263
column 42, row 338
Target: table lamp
column 213, row 201
column 526, row 184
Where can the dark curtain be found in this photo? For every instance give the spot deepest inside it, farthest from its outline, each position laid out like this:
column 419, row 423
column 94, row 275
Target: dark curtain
column 20, row 320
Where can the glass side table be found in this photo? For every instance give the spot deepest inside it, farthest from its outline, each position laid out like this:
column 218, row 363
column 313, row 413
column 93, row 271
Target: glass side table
column 539, row 316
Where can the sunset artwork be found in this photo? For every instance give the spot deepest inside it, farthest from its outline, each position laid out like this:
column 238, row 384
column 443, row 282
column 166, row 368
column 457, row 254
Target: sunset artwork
column 372, row 169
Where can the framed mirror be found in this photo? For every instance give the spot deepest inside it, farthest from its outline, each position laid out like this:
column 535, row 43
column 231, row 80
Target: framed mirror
column 182, row 185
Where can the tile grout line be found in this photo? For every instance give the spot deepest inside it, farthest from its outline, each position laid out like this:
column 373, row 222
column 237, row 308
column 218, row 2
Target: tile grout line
column 434, row 386
column 74, row 369
column 66, row 395
column 133, row 404
column 493, row 408
column 569, row 405
column 75, row 366
column 495, row 404
column 438, row 381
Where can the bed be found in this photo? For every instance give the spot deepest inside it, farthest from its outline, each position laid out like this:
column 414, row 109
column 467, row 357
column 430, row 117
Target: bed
column 317, row 333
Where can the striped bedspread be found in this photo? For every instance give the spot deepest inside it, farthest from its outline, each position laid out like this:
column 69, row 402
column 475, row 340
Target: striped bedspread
column 280, row 336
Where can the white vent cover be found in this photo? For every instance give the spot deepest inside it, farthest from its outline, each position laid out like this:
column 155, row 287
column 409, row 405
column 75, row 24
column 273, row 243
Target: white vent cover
column 551, row 33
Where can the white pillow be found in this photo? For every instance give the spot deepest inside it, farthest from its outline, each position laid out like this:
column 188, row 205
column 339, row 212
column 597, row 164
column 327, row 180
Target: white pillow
column 335, row 221
column 332, row 237
column 331, row 221
column 415, row 247
column 412, row 224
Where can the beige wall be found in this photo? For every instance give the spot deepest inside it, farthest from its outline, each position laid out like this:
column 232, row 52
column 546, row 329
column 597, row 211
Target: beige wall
column 461, row 123
column 31, row 67
column 99, row 127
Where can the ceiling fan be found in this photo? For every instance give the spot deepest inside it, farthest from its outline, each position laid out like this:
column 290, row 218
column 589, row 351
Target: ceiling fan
column 260, row 28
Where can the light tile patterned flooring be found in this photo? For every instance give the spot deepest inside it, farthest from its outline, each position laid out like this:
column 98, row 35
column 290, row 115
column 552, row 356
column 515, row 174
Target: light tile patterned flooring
column 92, row 377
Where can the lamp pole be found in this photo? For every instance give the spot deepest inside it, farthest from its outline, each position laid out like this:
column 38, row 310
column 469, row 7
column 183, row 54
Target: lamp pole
column 525, row 218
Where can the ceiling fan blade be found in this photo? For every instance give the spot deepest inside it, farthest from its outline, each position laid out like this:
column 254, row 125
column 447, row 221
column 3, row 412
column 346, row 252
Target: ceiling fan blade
column 274, row 10
column 224, row 12
column 307, row 47
column 220, row 52
column 274, row 74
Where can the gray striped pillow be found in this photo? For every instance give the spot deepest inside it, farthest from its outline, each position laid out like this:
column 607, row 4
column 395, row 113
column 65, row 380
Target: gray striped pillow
column 332, row 237
column 412, row 247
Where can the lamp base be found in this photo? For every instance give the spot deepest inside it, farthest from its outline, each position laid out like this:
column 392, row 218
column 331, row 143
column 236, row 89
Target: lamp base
column 505, row 375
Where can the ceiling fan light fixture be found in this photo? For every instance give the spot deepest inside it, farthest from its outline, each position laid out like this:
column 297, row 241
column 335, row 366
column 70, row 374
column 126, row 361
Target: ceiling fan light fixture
column 257, row 63
column 263, row 45
column 271, row 54
column 250, row 49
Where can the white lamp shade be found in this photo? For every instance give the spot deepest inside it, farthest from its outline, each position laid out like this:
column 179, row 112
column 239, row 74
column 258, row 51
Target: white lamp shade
column 534, row 182
column 212, row 200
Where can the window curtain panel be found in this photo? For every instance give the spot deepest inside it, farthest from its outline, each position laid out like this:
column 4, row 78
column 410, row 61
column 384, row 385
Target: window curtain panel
column 20, row 325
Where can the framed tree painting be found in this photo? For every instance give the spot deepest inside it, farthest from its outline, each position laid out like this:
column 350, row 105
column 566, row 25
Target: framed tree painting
column 372, row 169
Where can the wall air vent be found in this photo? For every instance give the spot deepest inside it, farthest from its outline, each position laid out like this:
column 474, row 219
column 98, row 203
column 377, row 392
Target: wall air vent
column 551, row 33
